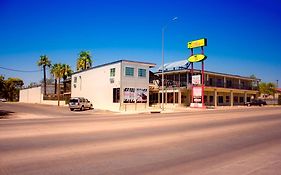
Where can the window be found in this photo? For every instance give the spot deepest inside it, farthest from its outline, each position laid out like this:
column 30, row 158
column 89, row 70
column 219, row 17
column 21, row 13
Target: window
column 228, row 83
column 211, row 99
column 170, row 97
column 242, row 85
column 235, row 99
column 205, row 99
column 211, row 81
column 116, row 95
column 220, row 99
column 219, row 83
column 227, row 99
column 112, row 72
column 75, row 80
column 142, row 73
column 189, row 78
column 129, row 71
column 241, row 99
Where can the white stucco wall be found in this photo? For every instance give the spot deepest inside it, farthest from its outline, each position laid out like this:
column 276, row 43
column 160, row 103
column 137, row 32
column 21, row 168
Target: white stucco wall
column 31, row 95
column 35, row 95
column 95, row 85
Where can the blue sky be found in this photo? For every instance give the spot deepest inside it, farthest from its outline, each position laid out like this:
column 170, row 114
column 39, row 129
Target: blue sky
column 244, row 37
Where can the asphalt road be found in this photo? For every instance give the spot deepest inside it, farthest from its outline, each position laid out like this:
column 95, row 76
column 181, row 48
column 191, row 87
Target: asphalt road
column 241, row 141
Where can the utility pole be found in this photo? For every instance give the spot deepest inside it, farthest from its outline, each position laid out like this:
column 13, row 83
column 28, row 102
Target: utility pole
column 163, row 34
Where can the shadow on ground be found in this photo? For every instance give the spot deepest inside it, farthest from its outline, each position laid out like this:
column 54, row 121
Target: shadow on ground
column 5, row 114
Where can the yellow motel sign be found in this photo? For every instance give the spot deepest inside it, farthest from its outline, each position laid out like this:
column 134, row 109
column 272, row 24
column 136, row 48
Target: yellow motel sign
column 197, row 58
column 197, row 43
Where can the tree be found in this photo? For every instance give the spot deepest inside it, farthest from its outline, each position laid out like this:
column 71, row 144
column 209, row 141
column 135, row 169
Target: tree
column 11, row 88
column 52, row 71
column 57, row 71
column 2, row 85
column 267, row 88
column 66, row 71
column 271, row 88
column 44, row 62
column 253, row 76
column 84, row 60
column 255, row 81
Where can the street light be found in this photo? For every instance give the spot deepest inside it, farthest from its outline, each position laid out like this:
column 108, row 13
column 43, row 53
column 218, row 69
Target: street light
column 163, row 33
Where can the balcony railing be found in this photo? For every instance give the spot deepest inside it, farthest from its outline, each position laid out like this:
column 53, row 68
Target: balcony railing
column 172, row 83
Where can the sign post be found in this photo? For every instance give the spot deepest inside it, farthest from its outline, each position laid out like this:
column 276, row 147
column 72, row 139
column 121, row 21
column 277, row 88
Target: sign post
column 197, row 80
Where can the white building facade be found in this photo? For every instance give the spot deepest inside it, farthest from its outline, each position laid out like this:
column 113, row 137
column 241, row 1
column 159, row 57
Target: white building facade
column 118, row 86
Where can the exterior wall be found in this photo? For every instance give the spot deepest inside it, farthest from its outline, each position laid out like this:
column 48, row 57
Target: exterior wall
column 134, row 82
column 31, row 95
column 35, row 95
column 95, row 85
column 220, row 89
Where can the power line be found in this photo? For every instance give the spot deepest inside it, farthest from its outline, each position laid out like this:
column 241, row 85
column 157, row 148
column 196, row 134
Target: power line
column 17, row 70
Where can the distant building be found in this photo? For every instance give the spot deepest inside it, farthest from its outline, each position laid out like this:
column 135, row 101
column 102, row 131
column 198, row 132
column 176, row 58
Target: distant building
column 220, row 89
column 118, row 86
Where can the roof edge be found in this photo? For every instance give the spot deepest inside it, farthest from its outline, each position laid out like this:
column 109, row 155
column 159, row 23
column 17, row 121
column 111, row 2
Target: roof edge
column 114, row 62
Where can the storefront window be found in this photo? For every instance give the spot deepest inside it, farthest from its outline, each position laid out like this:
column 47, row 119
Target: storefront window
column 211, row 99
column 241, row 99
column 235, row 99
column 220, row 99
column 227, row 99
column 205, row 99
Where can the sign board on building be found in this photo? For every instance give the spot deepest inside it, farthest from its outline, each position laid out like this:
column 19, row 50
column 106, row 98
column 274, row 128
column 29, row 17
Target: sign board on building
column 197, row 95
column 141, row 95
column 132, row 95
column 197, row 43
column 129, row 95
column 197, row 91
column 196, row 79
column 197, row 58
column 196, row 105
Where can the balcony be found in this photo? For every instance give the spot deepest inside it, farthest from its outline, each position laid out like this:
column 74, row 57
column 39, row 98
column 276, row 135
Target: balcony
column 231, row 85
column 172, row 83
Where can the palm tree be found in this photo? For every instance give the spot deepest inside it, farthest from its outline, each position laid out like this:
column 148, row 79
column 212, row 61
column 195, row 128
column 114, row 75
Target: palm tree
column 44, row 62
column 84, row 60
column 66, row 73
column 57, row 71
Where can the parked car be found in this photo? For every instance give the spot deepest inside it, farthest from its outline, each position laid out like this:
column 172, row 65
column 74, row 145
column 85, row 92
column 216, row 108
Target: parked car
column 257, row 102
column 3, row 100
column 80, row 103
